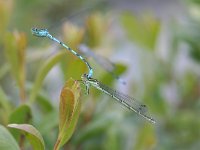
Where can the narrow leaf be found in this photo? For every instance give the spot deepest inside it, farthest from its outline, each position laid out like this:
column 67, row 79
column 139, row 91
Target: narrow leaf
column 96, row 26
column 5, row 107
column 43, row 71
column 15, row 46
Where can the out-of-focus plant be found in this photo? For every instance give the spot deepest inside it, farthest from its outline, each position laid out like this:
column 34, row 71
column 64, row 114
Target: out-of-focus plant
column 15, row 47
column 143, row 29
column 36, row 117
column 69, row 113
column 172, row 97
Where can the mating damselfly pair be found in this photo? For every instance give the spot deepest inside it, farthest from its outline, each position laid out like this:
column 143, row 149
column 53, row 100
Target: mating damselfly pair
column 88, row 81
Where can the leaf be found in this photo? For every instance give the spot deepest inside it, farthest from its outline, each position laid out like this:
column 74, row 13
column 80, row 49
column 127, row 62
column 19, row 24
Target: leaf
column 22, row 42
column 143, row 30
column 21, row 115
column 32, row 134
column 43, row 71
column 66, row 106
column 11, row 55
column 69, row 110
column 70, row 71
column 95, row 27
column 4, row 106
column 72, row 34
column 15, row 45
column 7, row 142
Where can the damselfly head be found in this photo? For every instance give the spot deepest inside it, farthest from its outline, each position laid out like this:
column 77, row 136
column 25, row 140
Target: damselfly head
column 84, row 77
column 39, row 32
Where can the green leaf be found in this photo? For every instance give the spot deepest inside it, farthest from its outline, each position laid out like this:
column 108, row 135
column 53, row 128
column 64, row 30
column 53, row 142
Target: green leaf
column 44, row 103
column 7, row 142
column 5, row 107
column 43, row 71
column 21, row 115
column 143, row 30
column 67, row 65
column 32, row 134
column 11, row 54
column 69, row 110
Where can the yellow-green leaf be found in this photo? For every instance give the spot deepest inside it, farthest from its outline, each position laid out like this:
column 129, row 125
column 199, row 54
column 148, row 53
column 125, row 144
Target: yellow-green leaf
column 66, row 106
column 72, row 34
column 96, row 26
column 32, row 134
column 15, row 46
column 69, row 111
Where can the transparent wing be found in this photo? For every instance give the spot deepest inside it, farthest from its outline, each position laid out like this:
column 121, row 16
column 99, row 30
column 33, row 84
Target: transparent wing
column 127, row 101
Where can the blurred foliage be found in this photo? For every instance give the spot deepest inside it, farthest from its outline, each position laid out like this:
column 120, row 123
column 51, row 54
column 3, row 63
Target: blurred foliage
column 142, row 29
column 33, row 71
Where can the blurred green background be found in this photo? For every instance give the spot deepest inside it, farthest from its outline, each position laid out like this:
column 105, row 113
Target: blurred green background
column 154, row 44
